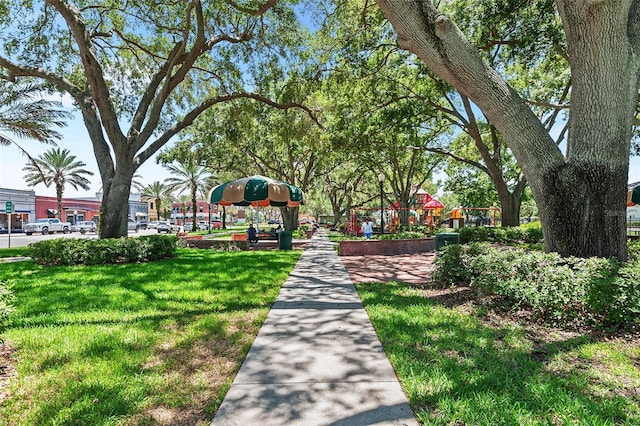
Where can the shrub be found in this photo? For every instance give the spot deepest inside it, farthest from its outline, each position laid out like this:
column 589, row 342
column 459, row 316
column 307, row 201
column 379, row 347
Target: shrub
column 617, row 298
column 633, row 247
column 59, row 251
column 557, row 290
column 532, row 234
column 6, row 298
column 520, row 234
column 104, row 251
column 449, row 267
column 301, row 232
column 160, row 246
column 402, row 235
column 471, row 234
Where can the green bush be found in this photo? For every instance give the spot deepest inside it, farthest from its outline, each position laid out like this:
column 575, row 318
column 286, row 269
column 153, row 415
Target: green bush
column 73, row 251
column 532, row 234
column 634, row 250
column 449, row 267
column 59, row 251
column 520, row 234
column 557, row 290
column 618, row 299
column 532, row 225
column 402, row 235
column 6, row 298
column 473, row 234
column 452, row 260
column 301, row 232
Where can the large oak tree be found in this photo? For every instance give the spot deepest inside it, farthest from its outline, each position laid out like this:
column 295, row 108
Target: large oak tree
column 580, row 194
column 140, row 72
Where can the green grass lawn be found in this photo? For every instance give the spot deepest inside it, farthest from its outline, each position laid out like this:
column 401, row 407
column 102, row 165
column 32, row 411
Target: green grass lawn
column 13, row 252
column 135, row 344
column 458, row 369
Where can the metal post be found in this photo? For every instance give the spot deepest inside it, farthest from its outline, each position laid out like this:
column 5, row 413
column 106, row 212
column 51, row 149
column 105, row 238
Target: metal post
column 209, row 216
column 9, row 242
column 381, row 179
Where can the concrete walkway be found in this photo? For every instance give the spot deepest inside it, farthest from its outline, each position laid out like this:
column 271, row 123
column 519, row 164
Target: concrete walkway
column 317, row 359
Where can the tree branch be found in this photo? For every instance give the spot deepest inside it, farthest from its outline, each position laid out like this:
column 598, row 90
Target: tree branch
column 92, row 67
column 193, row 114
column 456, row 157
column 253, row 12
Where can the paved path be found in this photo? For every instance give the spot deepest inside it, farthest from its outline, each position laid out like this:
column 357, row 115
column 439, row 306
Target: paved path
column 317, row 359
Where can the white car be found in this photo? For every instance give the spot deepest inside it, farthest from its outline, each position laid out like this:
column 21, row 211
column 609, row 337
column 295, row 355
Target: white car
column 153, row 224
column 84, row 226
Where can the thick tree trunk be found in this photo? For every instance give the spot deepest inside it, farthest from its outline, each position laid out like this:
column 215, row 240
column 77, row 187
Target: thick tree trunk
column 579, row 213
column 290, row 218
column 115, row 206
column 581, row 197
column 510, row 201
column 511, row 210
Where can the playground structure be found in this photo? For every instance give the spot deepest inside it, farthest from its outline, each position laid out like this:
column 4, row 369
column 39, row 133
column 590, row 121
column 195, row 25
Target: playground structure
column 431, row 217
column 491, row 216
column 427, row 217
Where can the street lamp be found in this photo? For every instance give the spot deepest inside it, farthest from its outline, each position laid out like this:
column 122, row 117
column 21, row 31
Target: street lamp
column 381, row 179
column 75, row 217
column 209, row 217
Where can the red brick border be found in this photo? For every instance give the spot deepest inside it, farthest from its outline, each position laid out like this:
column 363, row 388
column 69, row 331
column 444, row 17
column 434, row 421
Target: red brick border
column 386, row 247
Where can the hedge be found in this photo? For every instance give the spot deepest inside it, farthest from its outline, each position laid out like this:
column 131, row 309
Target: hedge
column 567, row 291
column 73, row 251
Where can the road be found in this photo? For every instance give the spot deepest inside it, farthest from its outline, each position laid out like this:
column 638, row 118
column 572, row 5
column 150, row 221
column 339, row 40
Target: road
column 21, row 240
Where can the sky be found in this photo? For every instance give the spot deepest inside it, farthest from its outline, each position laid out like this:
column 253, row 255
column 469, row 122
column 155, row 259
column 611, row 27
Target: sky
column 76, row 139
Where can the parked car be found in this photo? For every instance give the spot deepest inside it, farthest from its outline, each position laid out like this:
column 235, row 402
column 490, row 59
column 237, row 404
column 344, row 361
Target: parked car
column 273, row 221
column 163, row 227
column 215, row 224
column 188, row 227
column 84, row 226
column 134, row 226
column 153, row 224
column 47, row 225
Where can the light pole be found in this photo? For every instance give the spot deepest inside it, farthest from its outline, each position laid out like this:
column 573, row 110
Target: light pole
column 208, row 217
column 381, row 179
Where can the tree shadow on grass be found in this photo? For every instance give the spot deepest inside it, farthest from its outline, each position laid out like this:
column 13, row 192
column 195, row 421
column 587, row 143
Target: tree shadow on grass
column 453, row 367
column 197, row 283
column 163, row 323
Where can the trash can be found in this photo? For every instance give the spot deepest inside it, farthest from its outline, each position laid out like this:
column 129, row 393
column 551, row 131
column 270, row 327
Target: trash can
column 285, row 241
column 445, row 238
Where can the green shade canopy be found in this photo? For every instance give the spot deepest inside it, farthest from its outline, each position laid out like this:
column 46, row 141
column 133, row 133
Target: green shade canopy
column 257, row 191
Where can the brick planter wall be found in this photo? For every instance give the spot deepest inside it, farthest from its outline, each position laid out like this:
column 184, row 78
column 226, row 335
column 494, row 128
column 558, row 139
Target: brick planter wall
column 386, row 247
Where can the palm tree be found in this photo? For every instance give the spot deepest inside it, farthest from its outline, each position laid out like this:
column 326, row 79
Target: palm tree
column 57, row 166
column 25, row 115
column 189, row 177
column 156, row 192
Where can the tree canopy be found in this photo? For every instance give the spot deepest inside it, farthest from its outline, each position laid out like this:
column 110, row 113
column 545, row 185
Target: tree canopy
column 580, row 192
column 142, row 72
